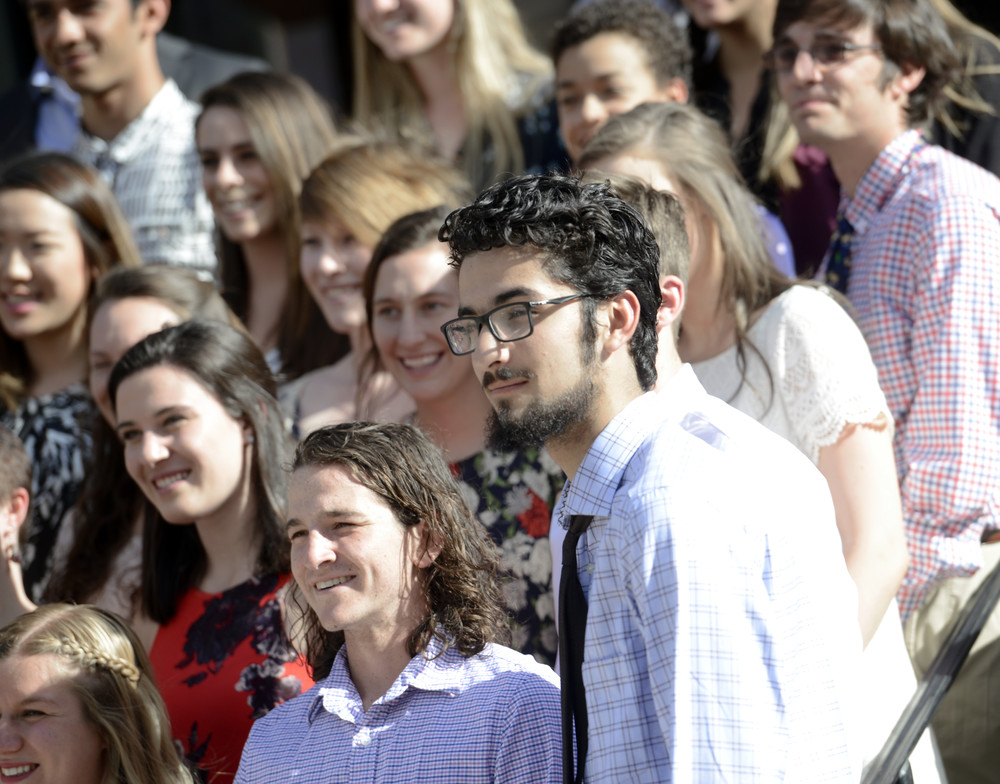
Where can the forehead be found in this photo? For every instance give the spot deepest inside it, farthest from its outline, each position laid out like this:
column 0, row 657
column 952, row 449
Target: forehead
column 316, row 490
column 606, row 54
column 805, row 32
column 506, row 274
column 161, row 386
column 416, row 271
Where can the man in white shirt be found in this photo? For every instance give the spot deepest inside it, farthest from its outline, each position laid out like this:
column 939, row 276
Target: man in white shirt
column 137, row 128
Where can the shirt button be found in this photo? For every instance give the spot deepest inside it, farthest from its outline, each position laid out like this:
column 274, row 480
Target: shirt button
column 363, row 738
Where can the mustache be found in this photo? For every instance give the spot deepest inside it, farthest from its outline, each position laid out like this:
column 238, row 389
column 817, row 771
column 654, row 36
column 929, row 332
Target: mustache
column 504, row 374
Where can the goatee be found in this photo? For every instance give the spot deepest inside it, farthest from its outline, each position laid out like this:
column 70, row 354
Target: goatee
column 540, row 422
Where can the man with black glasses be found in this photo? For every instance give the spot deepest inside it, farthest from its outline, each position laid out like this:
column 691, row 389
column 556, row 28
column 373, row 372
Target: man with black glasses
column 708, row 625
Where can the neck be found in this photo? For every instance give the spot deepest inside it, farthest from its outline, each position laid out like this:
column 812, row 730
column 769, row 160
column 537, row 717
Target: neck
column 852, row 158
column 57, row 359
column 13, row 599
column 619, row 388
column 667, row 360
column 456, row 422
column 228, row 537
column 376, row 658
column 707, row 327
column 106, row 114
column 268, row 287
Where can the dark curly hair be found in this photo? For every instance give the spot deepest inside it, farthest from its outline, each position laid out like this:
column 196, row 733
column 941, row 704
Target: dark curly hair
column 589, row 238
column 911, row 32
column 665, row 48
column 408, row 472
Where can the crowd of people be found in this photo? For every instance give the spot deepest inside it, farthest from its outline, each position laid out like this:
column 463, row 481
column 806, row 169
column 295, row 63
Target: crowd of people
column 626, row 413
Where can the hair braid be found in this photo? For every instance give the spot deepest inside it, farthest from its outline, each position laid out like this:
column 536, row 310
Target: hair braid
column 92, row 658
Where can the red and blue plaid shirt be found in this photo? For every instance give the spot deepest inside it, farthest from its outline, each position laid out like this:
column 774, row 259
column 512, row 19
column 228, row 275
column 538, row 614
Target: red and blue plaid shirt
column 925, row 282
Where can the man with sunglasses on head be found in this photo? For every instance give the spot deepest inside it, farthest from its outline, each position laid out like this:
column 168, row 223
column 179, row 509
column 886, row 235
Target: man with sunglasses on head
column 916, row 253
column 708, row 626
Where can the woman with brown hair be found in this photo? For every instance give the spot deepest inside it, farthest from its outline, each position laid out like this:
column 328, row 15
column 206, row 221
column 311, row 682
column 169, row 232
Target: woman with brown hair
column 258, row 136
column 348, row 201
column 60, row 231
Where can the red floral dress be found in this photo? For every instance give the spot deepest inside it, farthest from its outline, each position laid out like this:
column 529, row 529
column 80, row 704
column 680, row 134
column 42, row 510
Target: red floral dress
column 513, row 495
column 221, row 663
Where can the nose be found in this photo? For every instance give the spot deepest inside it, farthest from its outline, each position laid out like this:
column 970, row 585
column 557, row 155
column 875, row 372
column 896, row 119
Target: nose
column 378, row 6
column 592, row 110
column 226, row 173
column 319, row 550
column 804, row 68
column 67, row 28
column 412, row 329
column 14, row 266
column 489, row 351
column 10, row 739
column 154, row 450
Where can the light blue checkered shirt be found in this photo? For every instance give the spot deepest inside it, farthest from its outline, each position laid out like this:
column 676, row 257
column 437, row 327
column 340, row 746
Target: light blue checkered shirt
column 722, row 634
column 493, row 717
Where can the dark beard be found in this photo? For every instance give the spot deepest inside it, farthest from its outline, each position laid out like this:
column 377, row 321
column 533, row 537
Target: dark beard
column 540, row 422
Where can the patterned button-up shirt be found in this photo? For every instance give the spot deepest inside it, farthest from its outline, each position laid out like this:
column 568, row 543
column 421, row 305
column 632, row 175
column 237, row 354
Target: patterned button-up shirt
column 925, row 282
column 493, row 717
column 153, row 168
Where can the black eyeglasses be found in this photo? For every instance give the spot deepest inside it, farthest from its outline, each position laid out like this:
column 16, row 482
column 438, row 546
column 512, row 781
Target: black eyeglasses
column 506, row 323
column 783, row 56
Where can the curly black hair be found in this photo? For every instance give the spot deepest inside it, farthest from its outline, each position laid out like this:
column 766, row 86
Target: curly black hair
column 665, row 47
column 588, row 237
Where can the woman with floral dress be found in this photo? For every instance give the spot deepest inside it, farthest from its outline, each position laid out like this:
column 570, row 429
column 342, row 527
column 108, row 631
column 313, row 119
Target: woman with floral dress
column 195, row 409
column 410, row 291
column 60, row 230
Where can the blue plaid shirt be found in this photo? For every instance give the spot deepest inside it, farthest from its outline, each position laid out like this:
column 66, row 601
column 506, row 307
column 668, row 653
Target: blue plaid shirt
column 493, row 717
column 722, row 633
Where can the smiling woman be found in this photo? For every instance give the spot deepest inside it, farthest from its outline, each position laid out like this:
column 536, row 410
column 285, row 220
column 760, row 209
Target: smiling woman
column 258, row 136
column 195, row 409
column 78, row 702
column 60, row 230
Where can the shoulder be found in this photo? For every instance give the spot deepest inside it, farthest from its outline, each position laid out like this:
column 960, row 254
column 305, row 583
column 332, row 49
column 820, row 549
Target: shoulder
column 289, row 719
column 502, row 674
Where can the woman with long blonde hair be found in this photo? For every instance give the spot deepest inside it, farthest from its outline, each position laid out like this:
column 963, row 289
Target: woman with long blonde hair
column 459, row 77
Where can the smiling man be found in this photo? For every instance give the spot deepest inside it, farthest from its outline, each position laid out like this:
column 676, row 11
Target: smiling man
column 137, row 128
column 402, row 621
column 920, row 269
column 720, row 630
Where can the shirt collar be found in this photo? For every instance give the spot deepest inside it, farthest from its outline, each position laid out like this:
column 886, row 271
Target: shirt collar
column 881, row 180
column 139, row 134
column 431, row 670
column 593, row 488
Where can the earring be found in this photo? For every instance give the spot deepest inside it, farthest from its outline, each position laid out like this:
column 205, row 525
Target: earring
column 249, row 438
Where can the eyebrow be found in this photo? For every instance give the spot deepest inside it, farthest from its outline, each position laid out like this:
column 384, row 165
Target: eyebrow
column 158, row 413
column 334, row 514
column 565, row 83
column 518, row 292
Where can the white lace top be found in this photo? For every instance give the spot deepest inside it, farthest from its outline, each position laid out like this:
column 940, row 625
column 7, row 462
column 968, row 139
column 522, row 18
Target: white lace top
column 822, row 374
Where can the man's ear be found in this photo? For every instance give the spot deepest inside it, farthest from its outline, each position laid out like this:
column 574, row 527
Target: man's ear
column 623, row 319
column 153, row 15
column 907, row 80
column 674, row 91
column 672, row 296
column 428, row 545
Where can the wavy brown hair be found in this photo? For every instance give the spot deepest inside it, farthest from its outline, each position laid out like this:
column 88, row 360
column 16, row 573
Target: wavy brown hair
column 407, row 471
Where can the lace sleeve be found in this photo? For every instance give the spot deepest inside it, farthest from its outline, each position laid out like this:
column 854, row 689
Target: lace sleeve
column 829, row 380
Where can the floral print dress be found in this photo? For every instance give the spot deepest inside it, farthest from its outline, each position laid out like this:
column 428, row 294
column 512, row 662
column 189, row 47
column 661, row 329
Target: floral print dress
column 221, row 663
column 55, row 430
column 513, row 495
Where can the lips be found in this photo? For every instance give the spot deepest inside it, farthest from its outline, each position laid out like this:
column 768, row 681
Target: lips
column 420, row 362
column 13, row 773
column 326, row 585
column 164, row 482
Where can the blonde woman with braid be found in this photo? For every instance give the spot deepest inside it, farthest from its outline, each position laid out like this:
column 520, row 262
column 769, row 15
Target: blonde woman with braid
column 78, row 702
